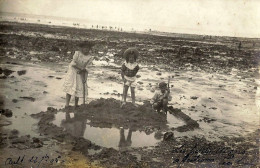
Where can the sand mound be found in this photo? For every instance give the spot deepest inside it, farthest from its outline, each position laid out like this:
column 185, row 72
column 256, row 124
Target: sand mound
column 107, row 113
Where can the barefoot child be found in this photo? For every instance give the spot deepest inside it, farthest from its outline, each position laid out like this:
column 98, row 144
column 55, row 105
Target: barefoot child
column 77, row 73
column 161, row 98
column 128, row 73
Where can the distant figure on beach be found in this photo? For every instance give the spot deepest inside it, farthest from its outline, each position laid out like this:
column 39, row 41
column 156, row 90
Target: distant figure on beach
column 179, row 51
column 128, row 72
column 161, row 98
column 77, row 73
column 239, row 46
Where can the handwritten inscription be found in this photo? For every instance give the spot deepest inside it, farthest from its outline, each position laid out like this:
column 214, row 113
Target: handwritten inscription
column 223, row 155
column 37, row 160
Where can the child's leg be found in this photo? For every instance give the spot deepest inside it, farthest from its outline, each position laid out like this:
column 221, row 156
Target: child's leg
column 125, row 90
column 76, row 101
column 165, row 104
column 68, row 96
column 157, row 106
column 133, row 94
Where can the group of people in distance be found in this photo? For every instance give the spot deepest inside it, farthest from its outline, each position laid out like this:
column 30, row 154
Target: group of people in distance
column 77, row 74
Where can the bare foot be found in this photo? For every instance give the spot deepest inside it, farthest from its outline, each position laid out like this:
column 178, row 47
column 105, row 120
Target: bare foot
column 123, row 103
column 136, row 105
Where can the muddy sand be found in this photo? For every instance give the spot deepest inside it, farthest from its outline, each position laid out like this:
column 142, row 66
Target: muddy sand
column 213, row 118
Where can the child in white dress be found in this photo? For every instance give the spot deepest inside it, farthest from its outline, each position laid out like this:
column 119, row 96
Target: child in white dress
column 78, row 72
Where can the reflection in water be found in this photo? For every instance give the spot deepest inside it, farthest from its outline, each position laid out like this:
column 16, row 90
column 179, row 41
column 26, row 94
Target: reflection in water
column 125, row 142
column 74, row 125
column 78, row 126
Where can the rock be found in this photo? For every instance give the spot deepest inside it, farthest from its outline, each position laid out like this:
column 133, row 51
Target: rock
column 44, row 92
column 158, row 135
column 36, row 145
column 15, row 100
column 6, row 72
column 22, row 139
column 28, row 98
column 11, row 53
column 22, row 72
column 14, row 132
column 6, row 112
column 51, row 109
column 36, row 140
column 194, row 97
column 13, row 136
column 54, row 48
column 168, row 136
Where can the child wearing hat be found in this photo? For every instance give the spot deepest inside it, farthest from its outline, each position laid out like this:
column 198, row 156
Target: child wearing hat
column 77, row 73
column 161, row 98
column 128, row 73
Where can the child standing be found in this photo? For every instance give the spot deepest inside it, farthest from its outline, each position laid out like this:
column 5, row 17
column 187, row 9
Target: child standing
column 77, row 73
column 161, row 98
column 128, row 73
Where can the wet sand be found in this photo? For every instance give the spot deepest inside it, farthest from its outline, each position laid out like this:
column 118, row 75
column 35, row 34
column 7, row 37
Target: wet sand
column 222, row 97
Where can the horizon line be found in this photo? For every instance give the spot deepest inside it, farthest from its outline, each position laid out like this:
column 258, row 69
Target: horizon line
column 152, row 30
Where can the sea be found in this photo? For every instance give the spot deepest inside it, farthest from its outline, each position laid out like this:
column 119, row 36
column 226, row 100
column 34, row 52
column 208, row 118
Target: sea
column 90, row 24
column 112, row 26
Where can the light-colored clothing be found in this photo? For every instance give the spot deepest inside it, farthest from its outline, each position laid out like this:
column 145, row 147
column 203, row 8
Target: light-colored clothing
column 159, row 96
column 130, row 83
column 130, row 70
column 73, row 84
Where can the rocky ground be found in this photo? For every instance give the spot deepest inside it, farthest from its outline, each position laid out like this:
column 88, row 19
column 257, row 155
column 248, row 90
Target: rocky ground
column 212, row 120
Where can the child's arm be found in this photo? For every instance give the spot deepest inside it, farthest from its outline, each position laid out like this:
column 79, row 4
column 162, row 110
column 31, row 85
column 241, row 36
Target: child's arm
column 166, row 94
column 76, row 67
column 123, row 72
column 137, row 69
column 154, row 99
column 74, row 61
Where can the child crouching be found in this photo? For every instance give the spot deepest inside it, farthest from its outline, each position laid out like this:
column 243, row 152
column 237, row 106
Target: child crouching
column 161, row 98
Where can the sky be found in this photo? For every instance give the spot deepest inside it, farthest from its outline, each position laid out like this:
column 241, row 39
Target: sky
column 214, row 17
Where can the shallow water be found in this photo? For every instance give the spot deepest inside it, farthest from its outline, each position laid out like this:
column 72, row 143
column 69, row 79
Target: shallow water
column 106, row 137
column 228, row 99
column 110, row 137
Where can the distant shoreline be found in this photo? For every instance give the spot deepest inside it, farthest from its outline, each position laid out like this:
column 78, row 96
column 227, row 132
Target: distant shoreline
column 153, row 33
column 87, row 24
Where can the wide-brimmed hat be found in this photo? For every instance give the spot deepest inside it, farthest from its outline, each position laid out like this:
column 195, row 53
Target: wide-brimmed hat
column 162, row 85
column 131, row 51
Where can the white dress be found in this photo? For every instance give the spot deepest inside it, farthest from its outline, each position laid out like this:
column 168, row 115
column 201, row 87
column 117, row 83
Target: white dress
column 73, row 84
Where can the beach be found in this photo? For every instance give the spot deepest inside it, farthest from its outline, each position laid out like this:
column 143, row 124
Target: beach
column 213, row 117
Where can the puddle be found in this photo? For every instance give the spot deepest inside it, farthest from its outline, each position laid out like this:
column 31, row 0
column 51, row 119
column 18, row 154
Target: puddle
column 105, row 137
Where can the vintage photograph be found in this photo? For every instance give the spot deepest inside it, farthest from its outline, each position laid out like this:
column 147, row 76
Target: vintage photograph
column 129, row 83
